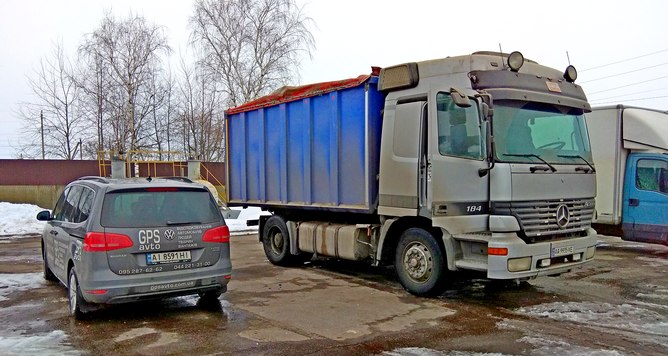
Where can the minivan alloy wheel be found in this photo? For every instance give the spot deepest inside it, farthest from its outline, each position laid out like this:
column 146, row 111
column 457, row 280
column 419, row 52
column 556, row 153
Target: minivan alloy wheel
column 72, row 293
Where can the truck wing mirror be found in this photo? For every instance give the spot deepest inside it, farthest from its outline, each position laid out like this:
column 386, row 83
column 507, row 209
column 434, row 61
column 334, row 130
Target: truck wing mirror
column 459, row 98
column 487, row 112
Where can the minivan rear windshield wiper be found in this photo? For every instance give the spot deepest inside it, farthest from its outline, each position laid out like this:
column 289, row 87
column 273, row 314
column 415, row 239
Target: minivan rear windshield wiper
column 580, row 157
column 527, row 155
column 173, row 223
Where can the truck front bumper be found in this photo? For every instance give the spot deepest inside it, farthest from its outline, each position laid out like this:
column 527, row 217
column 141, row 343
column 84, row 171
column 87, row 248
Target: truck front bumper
column 525, row 260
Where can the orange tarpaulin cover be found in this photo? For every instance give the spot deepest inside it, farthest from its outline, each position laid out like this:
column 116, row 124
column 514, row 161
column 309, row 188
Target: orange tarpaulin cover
column 286, row 94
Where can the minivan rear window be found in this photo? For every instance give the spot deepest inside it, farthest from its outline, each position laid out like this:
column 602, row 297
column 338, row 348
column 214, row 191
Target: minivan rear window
column 158, row 207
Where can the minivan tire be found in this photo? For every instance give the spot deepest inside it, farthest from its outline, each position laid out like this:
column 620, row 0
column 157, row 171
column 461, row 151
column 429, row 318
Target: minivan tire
column 76, row 302
column 46, row 273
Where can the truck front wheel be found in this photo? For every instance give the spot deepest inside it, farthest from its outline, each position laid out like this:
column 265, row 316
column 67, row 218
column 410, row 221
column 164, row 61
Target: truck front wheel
column 276, row 242
column 420, row 263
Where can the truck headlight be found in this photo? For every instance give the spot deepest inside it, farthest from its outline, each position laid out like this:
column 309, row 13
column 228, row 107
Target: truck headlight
column 519, row 264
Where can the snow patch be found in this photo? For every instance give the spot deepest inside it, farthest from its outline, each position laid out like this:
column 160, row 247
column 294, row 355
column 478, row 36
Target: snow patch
column 545, row 347
column 19, row 219
column 624, row 317
column 420, row 351
column 654, row 261
column 18, row 282
column 53, row 343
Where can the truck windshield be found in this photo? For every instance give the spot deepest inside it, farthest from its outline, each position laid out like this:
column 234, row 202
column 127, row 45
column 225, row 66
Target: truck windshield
column 529, row 132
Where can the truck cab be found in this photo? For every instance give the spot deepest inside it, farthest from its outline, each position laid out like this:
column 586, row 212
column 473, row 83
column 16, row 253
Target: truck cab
column 503, row 163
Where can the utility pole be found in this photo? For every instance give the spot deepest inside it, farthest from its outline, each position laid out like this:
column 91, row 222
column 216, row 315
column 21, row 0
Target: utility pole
column 41, row 129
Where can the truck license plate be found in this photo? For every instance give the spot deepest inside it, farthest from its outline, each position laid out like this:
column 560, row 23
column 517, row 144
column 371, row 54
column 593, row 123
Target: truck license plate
column 561, row 251
column 167, row 257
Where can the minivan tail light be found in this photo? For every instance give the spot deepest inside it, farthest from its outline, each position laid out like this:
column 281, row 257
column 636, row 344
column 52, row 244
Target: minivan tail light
column 162, row 189
column 219, row 234
column 101, row 242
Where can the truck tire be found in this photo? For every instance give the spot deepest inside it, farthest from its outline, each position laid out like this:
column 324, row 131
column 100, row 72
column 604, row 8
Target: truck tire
column 276, row 242
column 420, row 263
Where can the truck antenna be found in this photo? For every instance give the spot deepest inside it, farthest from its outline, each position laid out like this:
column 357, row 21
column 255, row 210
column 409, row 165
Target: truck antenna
column 503, row 64
column 568, row 57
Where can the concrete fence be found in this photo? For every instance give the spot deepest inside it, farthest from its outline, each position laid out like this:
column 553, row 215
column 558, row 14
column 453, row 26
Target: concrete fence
column 40, row 182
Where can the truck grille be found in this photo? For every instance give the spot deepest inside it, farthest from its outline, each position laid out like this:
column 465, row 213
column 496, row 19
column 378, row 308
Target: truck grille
column 539, row 220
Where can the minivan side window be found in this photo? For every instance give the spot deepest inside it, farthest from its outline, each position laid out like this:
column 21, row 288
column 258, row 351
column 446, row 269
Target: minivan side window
column 58, row 210
column 652, row 175
column 71, row 205
column 85, row 205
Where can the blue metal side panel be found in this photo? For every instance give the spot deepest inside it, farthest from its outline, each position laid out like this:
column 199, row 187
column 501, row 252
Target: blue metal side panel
column 275, row 154
column 298, row 131
column 318, row 152
column 254, row 163
column 352, row 147
column 237, row 167
column 375, row 105
column 324, row 125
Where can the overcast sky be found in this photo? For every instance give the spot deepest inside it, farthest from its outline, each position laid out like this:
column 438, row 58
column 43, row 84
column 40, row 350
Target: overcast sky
column 620, row 48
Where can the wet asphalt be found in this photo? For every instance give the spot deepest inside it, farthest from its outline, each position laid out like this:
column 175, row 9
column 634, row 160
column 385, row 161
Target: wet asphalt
column 617, row 305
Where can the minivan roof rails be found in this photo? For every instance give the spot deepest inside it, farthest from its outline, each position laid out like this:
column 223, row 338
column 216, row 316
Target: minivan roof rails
column 95, row 178
column 179, row 178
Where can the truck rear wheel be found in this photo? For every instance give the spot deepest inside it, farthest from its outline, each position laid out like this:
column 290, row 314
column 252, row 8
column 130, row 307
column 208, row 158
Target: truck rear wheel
column 420, row 263
column 276, row 242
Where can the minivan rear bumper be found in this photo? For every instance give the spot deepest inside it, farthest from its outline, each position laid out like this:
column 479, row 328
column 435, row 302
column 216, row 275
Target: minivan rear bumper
column 124, row 289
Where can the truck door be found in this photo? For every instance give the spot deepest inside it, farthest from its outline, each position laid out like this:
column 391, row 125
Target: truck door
column 645, row 207
column 456, row 155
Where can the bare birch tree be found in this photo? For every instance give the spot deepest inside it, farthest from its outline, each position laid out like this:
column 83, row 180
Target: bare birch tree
column 250, row 47
column 128, row 52
column 53, row 123
column 200, row 115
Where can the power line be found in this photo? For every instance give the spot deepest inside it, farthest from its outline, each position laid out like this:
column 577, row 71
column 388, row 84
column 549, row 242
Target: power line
column 629, row 94
column 628, row 85
column 618, row 74
column 625, row 60
column 638, row 99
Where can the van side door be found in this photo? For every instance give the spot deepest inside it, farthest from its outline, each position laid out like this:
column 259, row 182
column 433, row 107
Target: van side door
column 645, row 206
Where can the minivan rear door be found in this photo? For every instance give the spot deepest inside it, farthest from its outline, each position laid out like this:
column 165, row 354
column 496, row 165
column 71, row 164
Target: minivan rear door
column 161, row 229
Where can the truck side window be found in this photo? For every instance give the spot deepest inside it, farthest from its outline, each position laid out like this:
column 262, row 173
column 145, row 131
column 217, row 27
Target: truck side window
column 458, row 128
column 652, row 175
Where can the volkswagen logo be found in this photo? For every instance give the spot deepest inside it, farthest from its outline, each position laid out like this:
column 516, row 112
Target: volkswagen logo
column 563, row 216
column 169, row 234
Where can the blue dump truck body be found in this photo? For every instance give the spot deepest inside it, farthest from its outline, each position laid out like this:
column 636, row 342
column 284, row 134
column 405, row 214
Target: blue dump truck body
column 314, row 149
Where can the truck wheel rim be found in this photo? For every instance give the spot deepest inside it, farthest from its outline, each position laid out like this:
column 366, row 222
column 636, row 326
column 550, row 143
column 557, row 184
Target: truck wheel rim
column 418, row 262
column 277, row 242
column 72, row 291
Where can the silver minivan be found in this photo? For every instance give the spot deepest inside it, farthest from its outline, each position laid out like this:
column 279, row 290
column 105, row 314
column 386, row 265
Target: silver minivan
column 121, row 240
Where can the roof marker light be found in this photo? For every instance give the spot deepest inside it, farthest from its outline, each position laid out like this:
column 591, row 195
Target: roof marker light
column 515, row 61
column 570, row 74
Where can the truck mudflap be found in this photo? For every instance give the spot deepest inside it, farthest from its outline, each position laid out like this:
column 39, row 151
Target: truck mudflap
column 539, row 259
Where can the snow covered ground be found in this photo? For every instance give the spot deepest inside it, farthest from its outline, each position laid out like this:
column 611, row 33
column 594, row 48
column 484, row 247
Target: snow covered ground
column 21, row 220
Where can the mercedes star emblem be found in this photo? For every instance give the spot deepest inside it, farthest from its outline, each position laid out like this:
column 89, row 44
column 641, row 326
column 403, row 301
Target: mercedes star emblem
column 563, row 216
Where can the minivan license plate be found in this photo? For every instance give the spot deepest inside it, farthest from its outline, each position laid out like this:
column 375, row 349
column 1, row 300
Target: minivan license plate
column 167, row 257
column 561, row 251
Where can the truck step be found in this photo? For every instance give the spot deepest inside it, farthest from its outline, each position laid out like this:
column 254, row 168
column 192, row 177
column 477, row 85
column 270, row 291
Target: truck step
column 471, row 265
column 475, row 237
